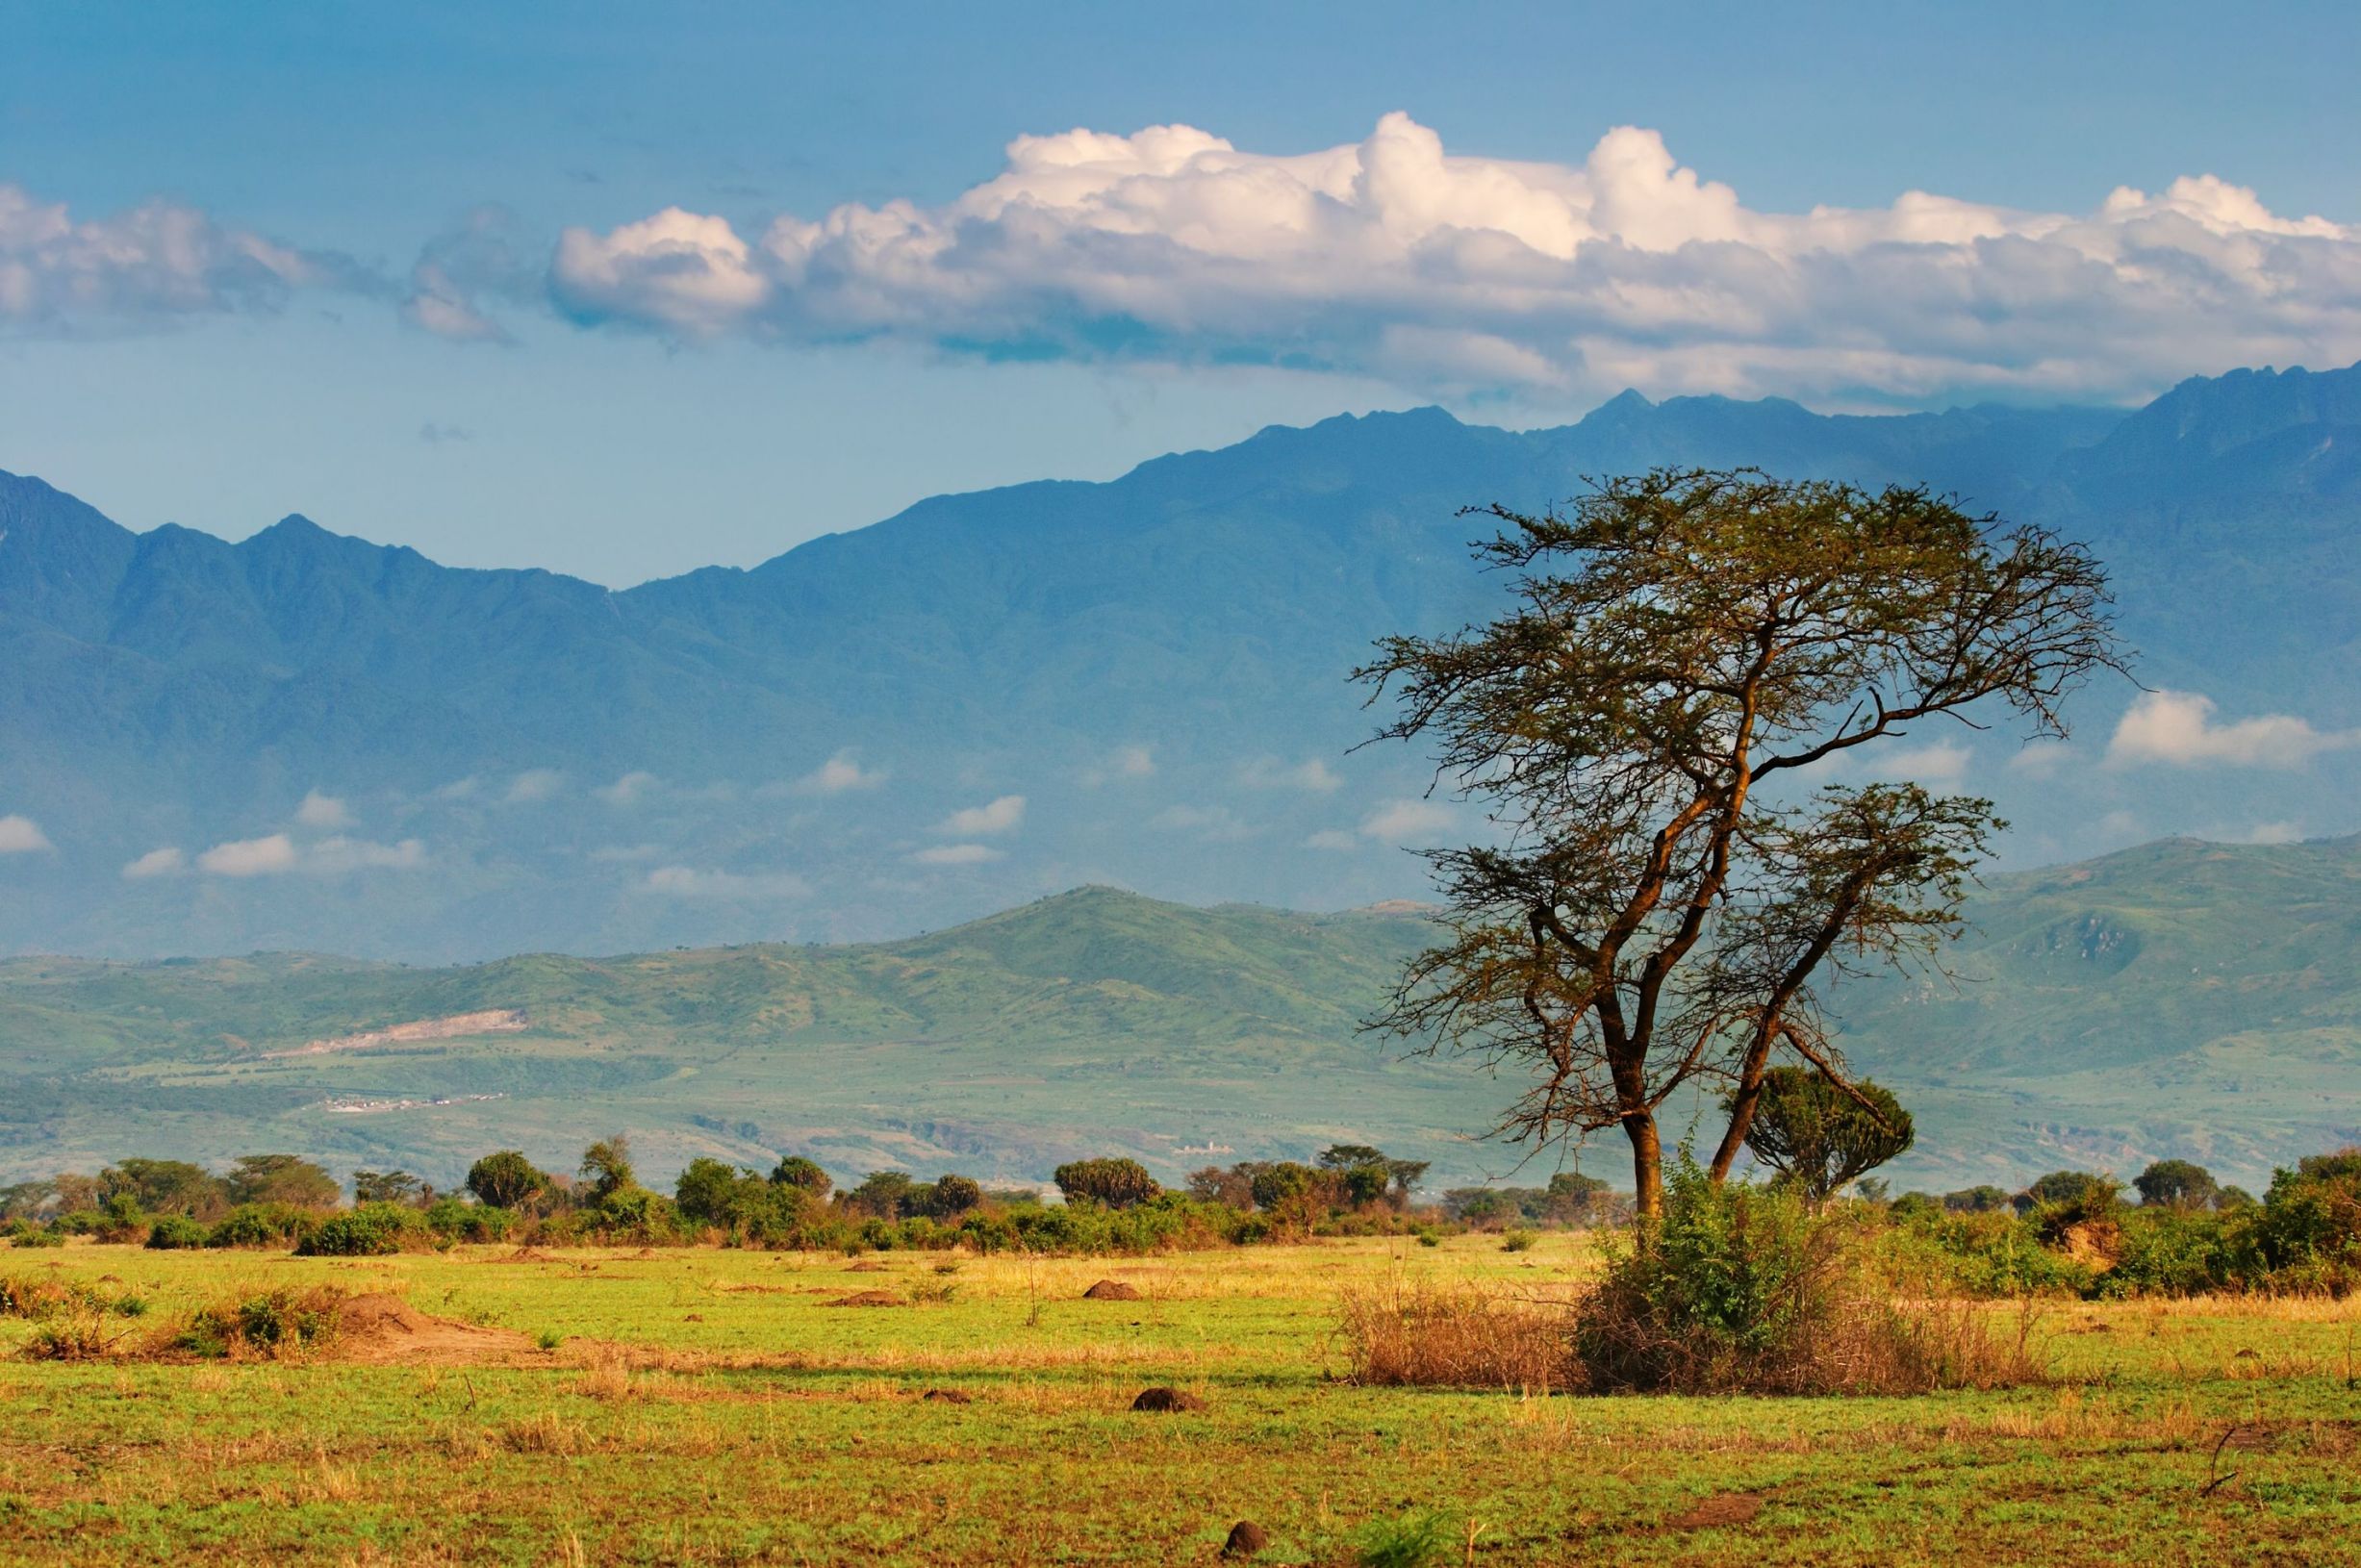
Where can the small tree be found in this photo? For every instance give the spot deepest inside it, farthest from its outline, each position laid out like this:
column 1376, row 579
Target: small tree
column 952, row 1196
column 705, row 1190
column 1118, row 1183
column 879, row 1196
column 389, row 1187
column 506, row 1179
column 1986, row 1199
column 2075, row 1189
column 1234, row 1186
column 795, row 1171
column 2176, row 1184
column 1405, row 1175
column 164, row 1187
column 1821, row 1134
column 1663, row 902
column 282, row 1179
column 606, row 1165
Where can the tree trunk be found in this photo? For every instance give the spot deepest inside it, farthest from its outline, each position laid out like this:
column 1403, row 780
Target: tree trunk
column 1647, row 1163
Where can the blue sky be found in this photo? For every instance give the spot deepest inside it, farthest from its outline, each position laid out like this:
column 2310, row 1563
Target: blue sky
column 435, row 300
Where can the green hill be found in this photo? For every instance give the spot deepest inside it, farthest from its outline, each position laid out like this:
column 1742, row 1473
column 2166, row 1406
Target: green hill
column 2182, row 999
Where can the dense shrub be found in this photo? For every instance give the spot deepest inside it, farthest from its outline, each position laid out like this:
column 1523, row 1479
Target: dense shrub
column 262, row 1224
column 1118, row 1183
column 174, row 1233
column 1743, row 1289
column 371, row 1230
column 462, row 1221
column 274, row 1325
column 506, row 1179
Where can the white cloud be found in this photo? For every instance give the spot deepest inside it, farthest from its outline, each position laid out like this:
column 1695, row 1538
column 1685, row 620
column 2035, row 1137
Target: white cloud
column 687, row 882
column 2042, row 759
column 266, row 856
column 458, row 788
column 533, row 786
column 627, row 789
column 276, row 854
column 332, row 856
column 1393, row 257
column 997, row 817
column 167, row 861
column 841, row 773
column 624, row 853
column 154, row 261
column 1402, row 822
column 1126, row 762
column 956, row 854
column 1331, row 838
column 22, row 836
column 1939, row 763
column 322, row 811
column 1270, row 773
column 2178, row 728
column 1215, row 822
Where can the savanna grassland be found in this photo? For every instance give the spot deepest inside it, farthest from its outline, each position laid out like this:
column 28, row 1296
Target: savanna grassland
column 707, row 1405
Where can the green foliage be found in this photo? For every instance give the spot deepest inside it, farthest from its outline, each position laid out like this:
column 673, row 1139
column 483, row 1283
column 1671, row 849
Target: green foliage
column 388, row 1187
column 1117, row 1183
column 272, row 1324
column 281, row 1178
column 1807, row 1127
column 1518, row 1241
column 462, row 1222
column 262, row 1224
column 371, row 1230
column 173, row 1232
column 2176, row 1184
column 606, row 1165
column 1985, row 1199
column 796, row 1171
column 160, row 1187
column 1421, row 1538
column 506, row 1179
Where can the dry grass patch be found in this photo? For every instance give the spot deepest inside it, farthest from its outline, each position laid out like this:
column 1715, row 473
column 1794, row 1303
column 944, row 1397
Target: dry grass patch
column 1418, row 1333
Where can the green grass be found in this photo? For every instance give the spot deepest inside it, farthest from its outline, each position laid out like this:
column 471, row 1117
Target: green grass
column 686, row 1418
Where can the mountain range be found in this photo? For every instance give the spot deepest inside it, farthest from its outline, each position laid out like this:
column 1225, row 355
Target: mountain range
column 305, row 741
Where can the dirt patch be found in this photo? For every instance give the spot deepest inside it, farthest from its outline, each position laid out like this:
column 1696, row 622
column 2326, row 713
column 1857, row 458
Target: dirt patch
column 380, row 1330
column 1718, row 1512
column 523, row 1254
column 948, row 1396
column 870, row 1297
column 1111, row 1290
column 2096, row 1244
column 867, row 1268
column 732, row 1287
column 1167, row 1400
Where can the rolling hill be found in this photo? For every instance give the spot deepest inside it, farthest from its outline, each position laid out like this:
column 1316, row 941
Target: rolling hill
column 2182, row 999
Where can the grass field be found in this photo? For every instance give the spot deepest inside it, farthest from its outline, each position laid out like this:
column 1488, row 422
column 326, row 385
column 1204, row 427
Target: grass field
column 711, row 1406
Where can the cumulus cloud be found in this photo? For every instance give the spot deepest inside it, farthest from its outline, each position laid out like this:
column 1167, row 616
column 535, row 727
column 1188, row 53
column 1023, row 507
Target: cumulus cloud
column 688, row 882
column 322, row 811
column 1393, row 257
column 266, row 856
column 1406, row 821
column 533, row 786
column 1215, row 822
column 1332, row 838
column 2178, row 728
column 841, row 773
column 277, row 854
column 1126, row 762
column 1270, row 773
column 1939, row 763
column 628, row 790
column 995, row 817
column 955, row 854
column 22, row 836
column 159, row 261
column 167, row 861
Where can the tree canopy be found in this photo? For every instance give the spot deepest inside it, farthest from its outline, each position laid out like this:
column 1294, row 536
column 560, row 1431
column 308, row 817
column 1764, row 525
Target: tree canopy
column 1672, row 877
column 1821, row 1134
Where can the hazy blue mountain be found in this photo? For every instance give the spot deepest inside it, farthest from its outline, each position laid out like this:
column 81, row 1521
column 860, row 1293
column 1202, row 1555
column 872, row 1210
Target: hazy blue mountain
column 171, row 690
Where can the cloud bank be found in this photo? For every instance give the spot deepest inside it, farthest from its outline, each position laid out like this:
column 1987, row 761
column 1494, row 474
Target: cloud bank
column 2178, row 728
column 1393, row 257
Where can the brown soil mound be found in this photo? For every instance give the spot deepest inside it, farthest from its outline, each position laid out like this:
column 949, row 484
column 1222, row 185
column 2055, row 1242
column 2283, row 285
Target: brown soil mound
column 1111, row 1290
column 867, row 1268
column 1167, row 1400
column 1246, row 1538
column 950, row 1396
column 870, row 1297
column 523, row 1254
column 1717, row 1512
column 2098, row 1243
column 377, row 1330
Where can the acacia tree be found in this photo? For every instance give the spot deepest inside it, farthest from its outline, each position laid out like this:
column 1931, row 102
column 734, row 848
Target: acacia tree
column 1668, row 888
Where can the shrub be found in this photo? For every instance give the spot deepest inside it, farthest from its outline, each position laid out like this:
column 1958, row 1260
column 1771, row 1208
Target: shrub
column 506, row 1179
column 1418, row 1539
column 173, row 1232
column 38, row 1235
column 262, row 1224
column 274, row 1325
column 457, row 1220
column 2168, row 1250
column 1742, row 1289
column 1518, row 1241
column 795, row 1171
column 1423, row 1335
column 2176, row 1184
column 371, row 1230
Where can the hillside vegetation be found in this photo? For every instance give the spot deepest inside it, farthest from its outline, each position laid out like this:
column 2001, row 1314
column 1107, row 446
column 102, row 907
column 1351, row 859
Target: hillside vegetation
column 2182, row 999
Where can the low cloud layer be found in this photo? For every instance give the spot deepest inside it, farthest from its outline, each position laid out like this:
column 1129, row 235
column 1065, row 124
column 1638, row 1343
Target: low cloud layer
column 277, row 854
column 1393, row 257
column 2178, row 729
